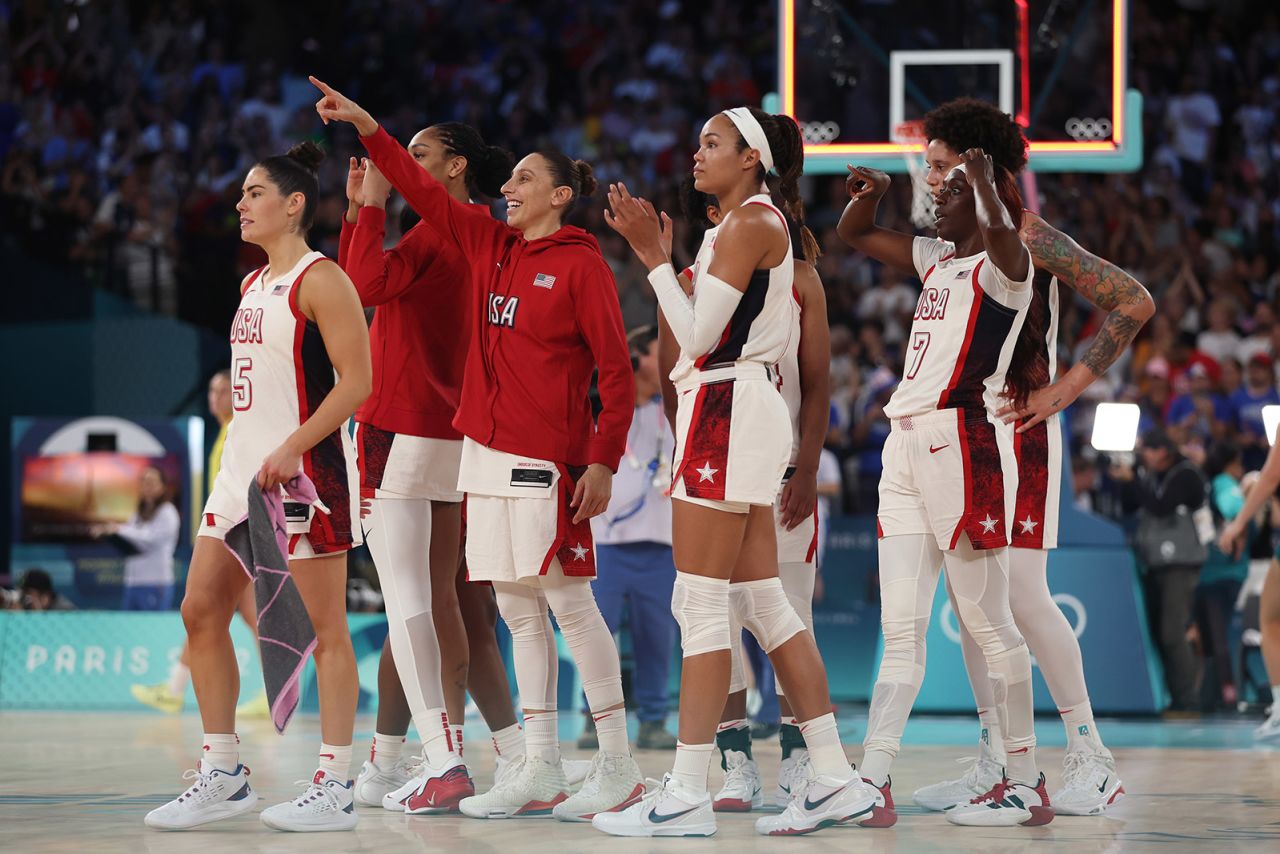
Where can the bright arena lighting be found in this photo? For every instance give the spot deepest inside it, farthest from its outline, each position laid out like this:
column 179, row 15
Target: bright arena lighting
column 1270, row 419
column 1115, row 426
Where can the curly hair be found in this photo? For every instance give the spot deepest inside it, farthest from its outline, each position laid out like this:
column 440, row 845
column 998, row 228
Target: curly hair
column 969, row 123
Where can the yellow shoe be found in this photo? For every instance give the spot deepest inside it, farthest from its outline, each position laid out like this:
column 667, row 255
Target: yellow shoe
column 157, row 697
column 255, row 709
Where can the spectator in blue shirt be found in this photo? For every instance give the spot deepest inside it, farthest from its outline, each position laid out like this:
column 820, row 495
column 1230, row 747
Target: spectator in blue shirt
column 1201, row 411
column 1247, row 401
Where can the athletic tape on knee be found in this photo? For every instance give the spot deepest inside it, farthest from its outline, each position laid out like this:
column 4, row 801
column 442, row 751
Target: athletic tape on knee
column 701, row 608
column 737, row 670
column 763, row 608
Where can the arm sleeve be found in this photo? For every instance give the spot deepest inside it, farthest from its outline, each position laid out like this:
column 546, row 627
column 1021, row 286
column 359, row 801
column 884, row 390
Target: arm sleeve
column 599, row 318
column 696, row 329
column 158, row 534
column 474, row 231
column 381, row 276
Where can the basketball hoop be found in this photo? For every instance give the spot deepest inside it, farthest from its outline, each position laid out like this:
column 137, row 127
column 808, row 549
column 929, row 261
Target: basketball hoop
column 910, row 135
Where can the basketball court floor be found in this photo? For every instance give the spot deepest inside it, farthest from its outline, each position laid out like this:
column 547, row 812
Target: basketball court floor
column 83, row 781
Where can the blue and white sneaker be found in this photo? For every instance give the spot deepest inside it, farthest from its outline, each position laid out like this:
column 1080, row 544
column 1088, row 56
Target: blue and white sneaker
column 666, row 810
column 824, row 802
column 1006, row 805
column 325, row 804
column 215, row 794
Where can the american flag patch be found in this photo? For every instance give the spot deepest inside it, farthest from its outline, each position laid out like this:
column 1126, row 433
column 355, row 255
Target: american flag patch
column 542, row 280
column 279, row 289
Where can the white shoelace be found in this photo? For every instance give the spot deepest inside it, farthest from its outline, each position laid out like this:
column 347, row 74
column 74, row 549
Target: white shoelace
column 738, row 770
column 313, row 792
column 199, row 791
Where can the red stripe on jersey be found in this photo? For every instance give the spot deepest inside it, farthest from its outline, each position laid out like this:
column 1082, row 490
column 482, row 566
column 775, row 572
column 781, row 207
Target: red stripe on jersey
column 210, row 520
column 813, row 544
column 879, row 529
column 945, row 397
column 709, row 443
column 253, row 277
column 968, row 476
column 928, row 273
column 1032, row 451
column 724, row 339
column 682, row 450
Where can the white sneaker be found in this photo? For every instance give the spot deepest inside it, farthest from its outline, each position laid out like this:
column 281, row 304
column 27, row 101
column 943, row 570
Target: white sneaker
column 667, row 810
column 215, row 794
column 823, row 802
column 1089, row 784
column 576, row 770
column 531, row 789
column 325, row 804
column 439, row 789
column 742, row 790
column 1270, row 728
column 985, row 771
column 1006, row 805
column 394, row 800
column 793, row 773
column 613, row 784
column 374, row 782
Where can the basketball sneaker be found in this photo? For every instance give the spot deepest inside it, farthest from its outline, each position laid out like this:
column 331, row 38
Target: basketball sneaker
column 394, row 800
column 883, row 813
column 374, row 782
column 1089, row 783
column 822, row 802
column 215, row 794
column 613, row 784
column 576, row 770
column 439, row 789
column 1007, row 804
column 1270, row 728
column 158, row 697
column 985, row 771
column 532, row 790
column 325, row 804
column 666, row 810
column 743, row 790
column 793, row 773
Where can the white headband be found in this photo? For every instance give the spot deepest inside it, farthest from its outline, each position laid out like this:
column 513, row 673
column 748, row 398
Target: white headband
column 752, row 133
column 959, row 167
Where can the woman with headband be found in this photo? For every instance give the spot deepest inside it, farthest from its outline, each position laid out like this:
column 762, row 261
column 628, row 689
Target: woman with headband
column 733, row 443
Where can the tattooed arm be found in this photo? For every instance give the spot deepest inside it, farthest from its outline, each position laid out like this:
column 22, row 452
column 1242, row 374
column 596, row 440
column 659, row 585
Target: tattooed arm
column 1126, row 301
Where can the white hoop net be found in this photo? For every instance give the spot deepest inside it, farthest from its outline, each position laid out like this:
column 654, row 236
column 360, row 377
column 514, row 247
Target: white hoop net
column 911, row 135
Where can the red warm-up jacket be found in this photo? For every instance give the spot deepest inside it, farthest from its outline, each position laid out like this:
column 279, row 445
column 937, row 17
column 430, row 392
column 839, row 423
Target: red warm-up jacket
column 421, row 323
column 545, row 313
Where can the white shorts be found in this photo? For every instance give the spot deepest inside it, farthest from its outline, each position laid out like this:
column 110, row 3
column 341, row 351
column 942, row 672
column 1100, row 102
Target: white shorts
column 799, row 545
column 733, row 438
column 398, row 465
column 946, row 474
column 1039, row 455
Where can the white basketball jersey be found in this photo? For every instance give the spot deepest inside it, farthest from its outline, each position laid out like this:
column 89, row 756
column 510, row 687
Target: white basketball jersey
column 963, row 333
column 761, row 325
column 280, row 374
column 789, row 377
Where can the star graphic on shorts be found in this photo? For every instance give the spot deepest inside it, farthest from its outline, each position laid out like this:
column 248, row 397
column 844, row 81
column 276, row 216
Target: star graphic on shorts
column 706, row 472
column 1028, row 525
column 989, row 524
column 579, row 551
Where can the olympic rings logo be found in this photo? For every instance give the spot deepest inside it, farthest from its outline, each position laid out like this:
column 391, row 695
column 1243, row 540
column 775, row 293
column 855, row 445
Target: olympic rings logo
column 1085, row 129
column 1076, row 615
column 819, row 133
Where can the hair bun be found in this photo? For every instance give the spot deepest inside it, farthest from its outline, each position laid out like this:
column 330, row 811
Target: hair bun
column 307, row 153
column 586, row 177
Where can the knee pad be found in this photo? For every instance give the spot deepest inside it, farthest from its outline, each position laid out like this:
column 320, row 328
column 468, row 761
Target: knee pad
column 737, row 669
column 701, row 608
column 798, row 581
column 763, row 608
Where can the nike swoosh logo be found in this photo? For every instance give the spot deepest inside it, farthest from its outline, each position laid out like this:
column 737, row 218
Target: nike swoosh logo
column 1103, row 788
column 934, row 450
column 813, row 805
column 326, row 756
column 659, row 819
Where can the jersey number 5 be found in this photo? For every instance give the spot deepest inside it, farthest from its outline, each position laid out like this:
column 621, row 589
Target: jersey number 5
column 241, row 385
column 919, row 345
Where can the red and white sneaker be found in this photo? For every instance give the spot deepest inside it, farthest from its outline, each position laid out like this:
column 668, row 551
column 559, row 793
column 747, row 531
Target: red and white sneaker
column 530, row 790
column 614, row 783
column 882, row 814
column 1006, row 805
column 439, row 790
column 742, row 790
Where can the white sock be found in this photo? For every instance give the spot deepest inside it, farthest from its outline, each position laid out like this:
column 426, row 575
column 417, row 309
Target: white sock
column 1082, row 732
column 222, row 750
column 386, row 749
column 875, row 767
column 541, row 735
column 691, row 766
column 991, row 733
column 455, row 733
column 611, row 730
column 740, row 723
column 436, row 736
column 179, row 676
column 822, row 738
column 335, row 761
column 509, row 742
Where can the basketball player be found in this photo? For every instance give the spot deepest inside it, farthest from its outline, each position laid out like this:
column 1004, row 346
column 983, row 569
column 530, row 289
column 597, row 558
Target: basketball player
column 1090, row 782
column 803, row 375
column 409, row 454
column 1230, row 541
column 300, row 367
column 949, row 482
column 170, row 696
column 734, row 440
column 534, row 467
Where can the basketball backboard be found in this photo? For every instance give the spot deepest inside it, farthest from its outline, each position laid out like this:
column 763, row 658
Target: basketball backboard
column 856, row 73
